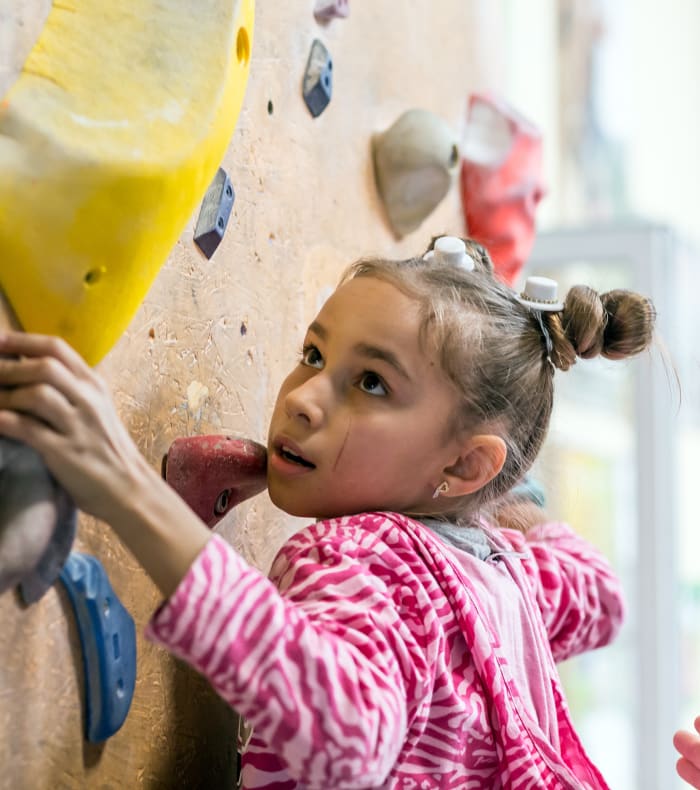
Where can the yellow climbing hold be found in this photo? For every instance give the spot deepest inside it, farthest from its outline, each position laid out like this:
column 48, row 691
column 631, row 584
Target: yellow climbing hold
column 108, row 141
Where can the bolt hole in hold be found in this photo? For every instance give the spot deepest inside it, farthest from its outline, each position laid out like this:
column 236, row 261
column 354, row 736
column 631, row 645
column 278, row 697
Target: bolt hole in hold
column 120, row 688
column 242, row 46
column 94, row 276
column 221, row 223
column 222, row 502
column 270, row 107
column 229, row 191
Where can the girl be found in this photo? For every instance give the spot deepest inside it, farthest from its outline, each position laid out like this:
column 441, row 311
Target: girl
column 400, row 641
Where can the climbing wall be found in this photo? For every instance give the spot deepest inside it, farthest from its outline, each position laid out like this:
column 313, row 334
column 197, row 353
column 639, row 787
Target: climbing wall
column 211, row 343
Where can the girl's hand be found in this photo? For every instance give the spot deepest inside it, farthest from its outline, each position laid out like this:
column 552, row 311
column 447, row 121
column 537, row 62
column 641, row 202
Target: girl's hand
column 688, row 744
column 53, row 401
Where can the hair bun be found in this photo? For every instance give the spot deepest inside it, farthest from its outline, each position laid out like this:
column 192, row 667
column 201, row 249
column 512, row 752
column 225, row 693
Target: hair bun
column 630, row 325
column 616, row 324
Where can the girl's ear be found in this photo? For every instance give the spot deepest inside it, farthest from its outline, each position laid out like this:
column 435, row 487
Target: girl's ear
column 481, row 459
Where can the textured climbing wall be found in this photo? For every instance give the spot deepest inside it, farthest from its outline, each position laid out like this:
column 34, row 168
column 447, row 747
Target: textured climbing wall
column 213, row 340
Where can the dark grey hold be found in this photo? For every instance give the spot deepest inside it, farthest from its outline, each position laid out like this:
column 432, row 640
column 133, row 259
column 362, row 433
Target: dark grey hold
column 214, row 213
column 317, row 86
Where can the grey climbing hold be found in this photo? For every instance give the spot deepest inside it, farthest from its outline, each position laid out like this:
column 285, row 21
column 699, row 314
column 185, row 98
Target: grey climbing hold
column 415, row 164
column 317, row 86
column 214, row 213
column 37, row 522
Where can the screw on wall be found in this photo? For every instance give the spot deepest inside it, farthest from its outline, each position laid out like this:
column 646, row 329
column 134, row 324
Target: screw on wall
column 317, row 85
column 214, row 213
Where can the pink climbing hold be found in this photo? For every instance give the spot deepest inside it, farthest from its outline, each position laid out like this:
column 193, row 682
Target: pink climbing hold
column 501, row 182
column 331, row 9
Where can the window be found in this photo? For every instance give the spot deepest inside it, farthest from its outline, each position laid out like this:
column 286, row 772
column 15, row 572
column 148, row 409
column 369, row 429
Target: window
column 608, row 466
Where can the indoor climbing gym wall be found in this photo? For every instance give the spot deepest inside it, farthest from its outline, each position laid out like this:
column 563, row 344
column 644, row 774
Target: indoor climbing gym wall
column 180, row 186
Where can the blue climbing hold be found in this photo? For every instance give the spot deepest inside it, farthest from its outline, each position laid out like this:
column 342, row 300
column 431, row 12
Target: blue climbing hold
column 108, row 640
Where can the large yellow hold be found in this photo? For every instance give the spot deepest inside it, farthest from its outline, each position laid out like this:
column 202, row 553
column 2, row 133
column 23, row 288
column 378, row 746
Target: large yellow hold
column 108, row 141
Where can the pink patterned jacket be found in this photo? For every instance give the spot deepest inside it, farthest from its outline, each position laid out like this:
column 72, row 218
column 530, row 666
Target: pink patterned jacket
column 375, row 656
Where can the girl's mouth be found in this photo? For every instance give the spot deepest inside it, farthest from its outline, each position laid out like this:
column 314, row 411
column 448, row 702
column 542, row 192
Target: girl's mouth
column 293, row 457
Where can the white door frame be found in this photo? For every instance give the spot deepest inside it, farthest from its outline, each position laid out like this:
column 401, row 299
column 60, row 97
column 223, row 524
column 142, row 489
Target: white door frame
column 649, row 250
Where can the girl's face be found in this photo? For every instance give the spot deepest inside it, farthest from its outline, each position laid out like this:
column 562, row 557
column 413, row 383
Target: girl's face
column 360, row 423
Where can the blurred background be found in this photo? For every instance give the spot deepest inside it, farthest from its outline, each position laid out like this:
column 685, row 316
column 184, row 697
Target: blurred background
column 613, row 86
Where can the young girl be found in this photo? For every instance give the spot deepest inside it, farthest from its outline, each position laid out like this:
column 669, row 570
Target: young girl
column 400, row 641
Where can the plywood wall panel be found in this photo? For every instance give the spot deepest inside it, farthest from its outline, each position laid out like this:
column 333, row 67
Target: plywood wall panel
column 213, row 340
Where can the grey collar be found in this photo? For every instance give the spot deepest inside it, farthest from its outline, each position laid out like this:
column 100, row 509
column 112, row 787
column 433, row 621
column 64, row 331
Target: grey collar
column 473, row 540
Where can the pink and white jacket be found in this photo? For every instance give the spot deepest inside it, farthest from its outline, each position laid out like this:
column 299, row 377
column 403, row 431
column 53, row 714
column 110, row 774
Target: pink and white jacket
column 375, row 656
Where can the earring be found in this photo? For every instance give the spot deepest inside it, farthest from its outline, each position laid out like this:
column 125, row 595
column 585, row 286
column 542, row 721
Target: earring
column 443, row 488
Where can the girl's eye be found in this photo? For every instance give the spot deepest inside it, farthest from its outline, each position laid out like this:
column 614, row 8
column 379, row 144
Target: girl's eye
column 372, row 384
column 311, row 357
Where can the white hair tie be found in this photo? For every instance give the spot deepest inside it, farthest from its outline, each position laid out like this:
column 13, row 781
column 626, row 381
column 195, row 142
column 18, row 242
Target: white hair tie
column 540, row 293
column 450, row 251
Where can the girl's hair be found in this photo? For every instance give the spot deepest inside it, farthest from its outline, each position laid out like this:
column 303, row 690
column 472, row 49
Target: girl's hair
column 500, row 355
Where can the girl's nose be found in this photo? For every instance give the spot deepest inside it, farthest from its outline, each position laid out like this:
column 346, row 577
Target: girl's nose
column 308, row 401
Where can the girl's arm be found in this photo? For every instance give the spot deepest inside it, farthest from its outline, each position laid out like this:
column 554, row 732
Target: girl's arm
column 53, row 401
column 577, row 591
column 330, row 675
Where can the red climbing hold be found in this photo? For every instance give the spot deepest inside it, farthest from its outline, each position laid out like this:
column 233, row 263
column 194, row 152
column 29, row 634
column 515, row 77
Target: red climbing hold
column 501, row 182
column 215, row 473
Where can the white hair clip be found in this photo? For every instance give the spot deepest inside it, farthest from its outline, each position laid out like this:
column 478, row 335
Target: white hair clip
column 451, row 251
column 540, row 293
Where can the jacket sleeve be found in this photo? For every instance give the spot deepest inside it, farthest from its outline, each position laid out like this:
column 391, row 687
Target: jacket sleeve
column 327, row 671
column 579, row 595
